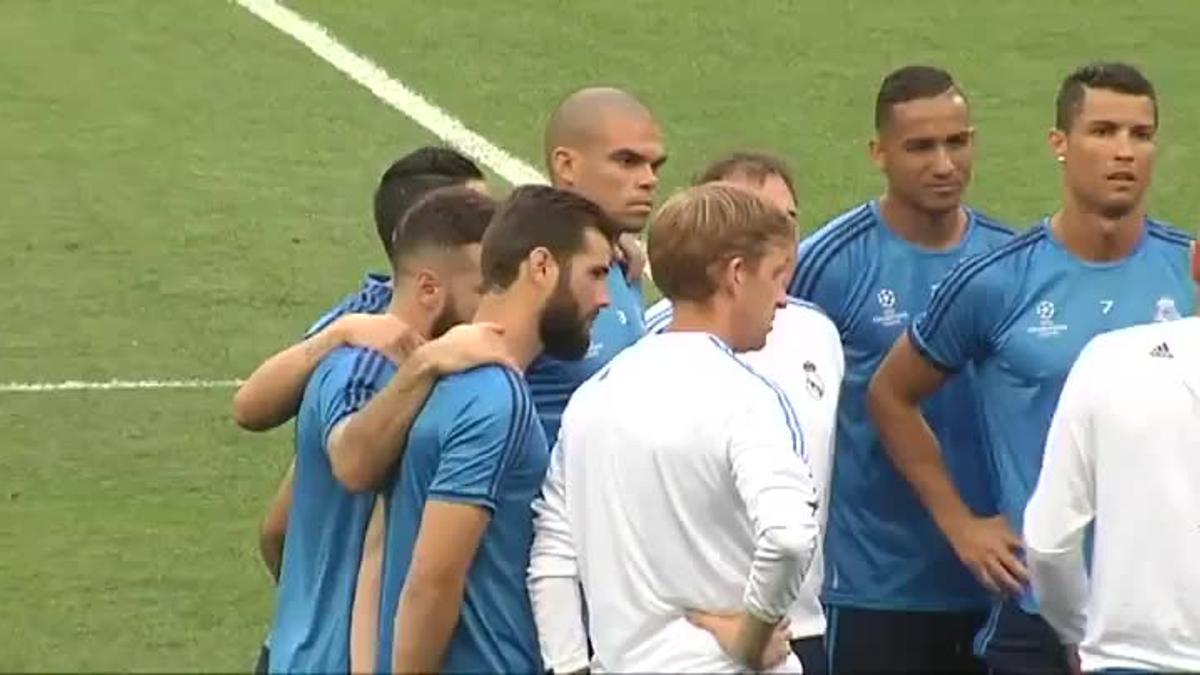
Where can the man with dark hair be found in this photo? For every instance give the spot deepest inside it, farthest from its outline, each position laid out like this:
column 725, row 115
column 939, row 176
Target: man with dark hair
column 271, row 395
column 694, row 520
column 898, row 598
column 1017, row 318
column 437, row 281
column 803, row 356
column 459, row 525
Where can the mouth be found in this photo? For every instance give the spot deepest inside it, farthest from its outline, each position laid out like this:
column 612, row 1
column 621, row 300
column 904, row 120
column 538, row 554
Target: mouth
column 1121, row 177
column 641, row 208
column 945, row 188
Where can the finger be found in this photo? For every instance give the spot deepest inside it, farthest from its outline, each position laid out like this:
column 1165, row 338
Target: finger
column 1007, row 582
column 985, row 578
column 1014, row 567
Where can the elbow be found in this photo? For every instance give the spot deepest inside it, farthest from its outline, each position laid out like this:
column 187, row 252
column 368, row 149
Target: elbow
column 352, row 475
column 243, row 412
column 877, row 399
column 792, row 545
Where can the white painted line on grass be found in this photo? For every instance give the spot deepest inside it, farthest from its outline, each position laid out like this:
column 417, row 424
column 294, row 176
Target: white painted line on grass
column 79, row 385
column 393, row 92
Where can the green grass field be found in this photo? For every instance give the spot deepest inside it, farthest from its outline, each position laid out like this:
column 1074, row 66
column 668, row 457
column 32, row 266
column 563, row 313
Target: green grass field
column 186, row 188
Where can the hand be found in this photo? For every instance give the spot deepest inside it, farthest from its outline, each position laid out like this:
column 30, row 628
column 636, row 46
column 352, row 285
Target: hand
column 727, row 629
column 467, row 346
column 629, row 249
column 988, row 547
column 1073, row 665
column 384, row 333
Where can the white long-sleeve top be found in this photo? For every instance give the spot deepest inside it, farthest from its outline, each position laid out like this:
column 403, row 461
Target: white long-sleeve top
column 679, row 482
column 1123, row 455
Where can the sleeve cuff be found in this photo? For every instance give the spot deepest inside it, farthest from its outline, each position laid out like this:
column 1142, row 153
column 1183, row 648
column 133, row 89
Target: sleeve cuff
column 923, row 349
column 463, row 498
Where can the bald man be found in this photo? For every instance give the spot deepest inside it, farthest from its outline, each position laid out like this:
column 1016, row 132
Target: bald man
column 603, row 144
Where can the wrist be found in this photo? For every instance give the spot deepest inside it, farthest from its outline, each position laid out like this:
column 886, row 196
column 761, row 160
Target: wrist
column 424, row 360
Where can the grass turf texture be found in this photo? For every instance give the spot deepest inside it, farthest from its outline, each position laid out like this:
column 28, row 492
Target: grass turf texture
column 187, row 188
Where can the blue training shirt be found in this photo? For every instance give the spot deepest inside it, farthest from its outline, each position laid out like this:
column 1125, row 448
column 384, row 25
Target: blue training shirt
column 616, row 327
column 372, row 297
column 882, row 548
column 1020, row 316
column 326, row 525
column 476, row 441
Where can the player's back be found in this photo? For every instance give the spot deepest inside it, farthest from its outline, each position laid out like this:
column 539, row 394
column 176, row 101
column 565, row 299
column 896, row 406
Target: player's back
column 803, row 357
column 323, row 544
column 476, row 441
column 1019, row 317
column 552, row 381
column 372, row 297
column 1144, row 606
column 657, row 520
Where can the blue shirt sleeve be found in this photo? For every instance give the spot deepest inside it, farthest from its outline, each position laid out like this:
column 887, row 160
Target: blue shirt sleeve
column 959, row 324
column 823, row 277
column 485, row 438
column 354, row 379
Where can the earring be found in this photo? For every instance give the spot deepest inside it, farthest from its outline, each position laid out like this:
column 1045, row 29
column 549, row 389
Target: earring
column 1061, row 159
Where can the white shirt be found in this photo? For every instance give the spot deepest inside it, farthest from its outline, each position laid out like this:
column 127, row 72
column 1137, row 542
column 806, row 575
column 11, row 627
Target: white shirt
column 1123, row 454
column 679, row 482
column 803, row 356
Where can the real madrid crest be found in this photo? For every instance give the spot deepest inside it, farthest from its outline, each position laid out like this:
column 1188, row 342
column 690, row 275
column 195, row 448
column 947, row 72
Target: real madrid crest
column 812, row 380
column 1165, row 310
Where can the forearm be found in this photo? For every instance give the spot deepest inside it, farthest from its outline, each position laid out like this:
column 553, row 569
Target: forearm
column 364, row 622
column 372, row 441
column 272, row 393
column 274, row 526
column 1060, row 585
column 782, row 555
column 271, row 550
column 558, row 614
column 425, row 622
column 914, row 450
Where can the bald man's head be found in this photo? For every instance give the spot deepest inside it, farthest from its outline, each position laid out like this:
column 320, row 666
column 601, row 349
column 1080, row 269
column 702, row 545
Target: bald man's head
column 603, row 143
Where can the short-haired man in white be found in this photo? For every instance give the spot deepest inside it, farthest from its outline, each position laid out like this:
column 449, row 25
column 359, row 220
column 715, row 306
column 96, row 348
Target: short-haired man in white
column 803, row 356
column 679, row 494
column 1123, row 456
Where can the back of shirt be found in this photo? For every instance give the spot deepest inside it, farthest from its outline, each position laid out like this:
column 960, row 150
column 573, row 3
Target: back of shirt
column 803, row 357
column 1124, row 452
column 553, row 381
column 323, row 545
column 373, row 297
column 477, row 441
column 882, row 549
column 654, row 452
column 1019, row 317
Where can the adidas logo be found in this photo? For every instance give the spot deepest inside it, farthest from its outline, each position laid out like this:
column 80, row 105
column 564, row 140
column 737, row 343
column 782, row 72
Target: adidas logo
column 1162, row 351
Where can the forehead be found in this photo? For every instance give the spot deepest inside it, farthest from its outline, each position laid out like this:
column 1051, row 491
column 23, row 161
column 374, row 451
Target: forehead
column 639, row 132
column 1112, row 106
column 596, row 248
column 940, row 115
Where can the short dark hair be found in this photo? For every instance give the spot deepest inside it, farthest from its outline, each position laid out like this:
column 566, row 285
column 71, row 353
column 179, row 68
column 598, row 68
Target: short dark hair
column 538, row 216
column 909, row 84
column 437, row 160
column 409, row 178
column 1108, row 75
column 394, row 198
column 445, row 218
column 757, row 166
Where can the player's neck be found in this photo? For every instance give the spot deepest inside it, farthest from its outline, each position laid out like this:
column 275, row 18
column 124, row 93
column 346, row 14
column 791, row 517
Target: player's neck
column 695, row 317
column 412, row 315
column 519, row 320
column 1095, row 237
column 935, row 231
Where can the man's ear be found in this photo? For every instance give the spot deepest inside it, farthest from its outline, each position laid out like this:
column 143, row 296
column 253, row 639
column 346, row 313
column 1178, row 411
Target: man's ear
column 431, row 295
column 564, row 165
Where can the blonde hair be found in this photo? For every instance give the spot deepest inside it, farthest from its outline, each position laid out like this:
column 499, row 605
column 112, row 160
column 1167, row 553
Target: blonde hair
column 702, row 228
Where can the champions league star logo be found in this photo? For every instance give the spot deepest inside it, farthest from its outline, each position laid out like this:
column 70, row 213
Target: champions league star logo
column 1046, row 326
column 813, row 381
column 1045, row 310
column 887, row 298
column 890, row 317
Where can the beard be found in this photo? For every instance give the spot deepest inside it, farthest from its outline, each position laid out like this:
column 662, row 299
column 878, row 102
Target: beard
column 565, row 333
column 449, row 318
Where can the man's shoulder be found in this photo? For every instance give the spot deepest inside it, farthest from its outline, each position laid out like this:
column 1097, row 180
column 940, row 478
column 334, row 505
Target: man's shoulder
column 1160, row 339
column 486, row 391
column 346, row 365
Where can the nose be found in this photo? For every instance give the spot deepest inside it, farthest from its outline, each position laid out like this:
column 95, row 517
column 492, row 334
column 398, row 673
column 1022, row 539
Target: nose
column 647, row 178
column 781, row 297
column 1124, row 146
column 943, row 165
column 603, row 299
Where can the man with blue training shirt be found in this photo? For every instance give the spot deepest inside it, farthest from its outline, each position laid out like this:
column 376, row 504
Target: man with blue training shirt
column 898, row 599
column 460, row 521
column 1018, row 317
column 602, row 143
column 437, row 282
